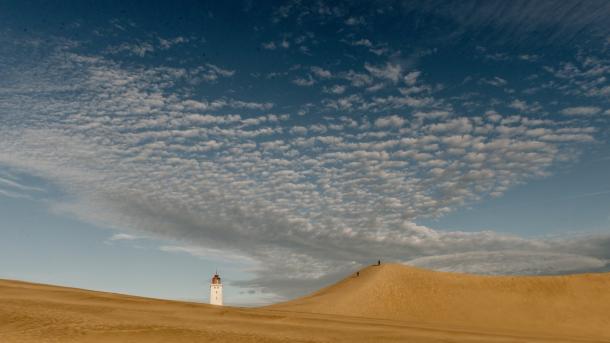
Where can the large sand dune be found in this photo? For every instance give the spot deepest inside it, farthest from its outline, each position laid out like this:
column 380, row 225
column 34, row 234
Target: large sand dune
column 389, row 303
column 570, row 304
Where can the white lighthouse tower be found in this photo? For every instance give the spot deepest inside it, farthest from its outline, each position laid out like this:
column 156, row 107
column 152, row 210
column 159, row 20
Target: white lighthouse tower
column 216, row 290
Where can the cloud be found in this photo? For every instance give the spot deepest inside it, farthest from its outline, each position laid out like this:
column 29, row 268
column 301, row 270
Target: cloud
column 495, row 81
column 335, row 89
column 299, row 130
column 411, row 78
column 142, row 48
column 137, row 150
column 168, row 43
column 321, row 72
column 362, row 42
column 390, row 121
column 377, row 49
column 524, row 106
column 390, row 71
column 12, row 194
column 269, row 46
column 16, row 185
column 510, row 262
column 139, row 49
column 11, row 186
column 304, row 82
column 212, row 72
column 586, row 76
column 523, row 20
column 431, row 114
column 581, row 111
column 517, row 21
column 122, row 237
column 353, row 21
column 357, row 79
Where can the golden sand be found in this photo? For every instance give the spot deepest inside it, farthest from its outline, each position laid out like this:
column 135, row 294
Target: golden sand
column 389, row 303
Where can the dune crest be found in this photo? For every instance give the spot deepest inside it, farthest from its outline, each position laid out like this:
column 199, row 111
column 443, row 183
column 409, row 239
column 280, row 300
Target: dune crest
column 567, row 304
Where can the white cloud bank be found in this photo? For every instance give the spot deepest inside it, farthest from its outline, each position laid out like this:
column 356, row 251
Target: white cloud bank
column 510, row 262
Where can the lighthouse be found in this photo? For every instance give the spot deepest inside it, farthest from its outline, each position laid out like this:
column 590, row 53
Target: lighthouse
column 216, row 290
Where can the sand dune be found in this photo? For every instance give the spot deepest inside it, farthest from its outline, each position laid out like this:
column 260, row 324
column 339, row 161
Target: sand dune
column 569, row 305
column 391, row 303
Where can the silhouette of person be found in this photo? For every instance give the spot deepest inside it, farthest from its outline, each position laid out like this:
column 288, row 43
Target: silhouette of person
column 378, row 262
column 357, row 273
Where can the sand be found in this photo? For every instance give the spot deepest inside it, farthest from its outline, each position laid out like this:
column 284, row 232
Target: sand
column 390, row 303
column 568, row 304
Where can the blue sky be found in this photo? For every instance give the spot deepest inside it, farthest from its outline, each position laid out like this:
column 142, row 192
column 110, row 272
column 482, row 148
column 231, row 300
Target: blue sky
column 143, row 146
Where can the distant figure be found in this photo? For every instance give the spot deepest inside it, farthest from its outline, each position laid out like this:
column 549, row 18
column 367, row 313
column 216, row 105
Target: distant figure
column 357, row 273
column 378, row 262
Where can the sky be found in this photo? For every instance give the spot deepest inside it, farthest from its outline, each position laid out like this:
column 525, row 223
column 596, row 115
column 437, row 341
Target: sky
column 146, row 145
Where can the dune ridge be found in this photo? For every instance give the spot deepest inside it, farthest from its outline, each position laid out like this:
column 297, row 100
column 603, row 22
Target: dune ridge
column 564, row 304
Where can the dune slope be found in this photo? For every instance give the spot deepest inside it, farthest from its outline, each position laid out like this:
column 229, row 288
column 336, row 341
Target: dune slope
column 564, row 305
column 391, row 303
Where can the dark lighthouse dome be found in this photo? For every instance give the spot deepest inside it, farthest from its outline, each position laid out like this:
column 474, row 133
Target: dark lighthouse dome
column 216, row 280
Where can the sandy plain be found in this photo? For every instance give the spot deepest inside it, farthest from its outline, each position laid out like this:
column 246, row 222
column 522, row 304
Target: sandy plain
column 387, row 303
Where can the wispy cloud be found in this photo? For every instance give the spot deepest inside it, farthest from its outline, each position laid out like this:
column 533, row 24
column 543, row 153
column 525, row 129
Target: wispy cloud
column 18, row 186
column 581, row 111
column 11, row 194
column 12, row 187
column 122, row 237
column 521, row 262
column 142, row 48
column 520, row 19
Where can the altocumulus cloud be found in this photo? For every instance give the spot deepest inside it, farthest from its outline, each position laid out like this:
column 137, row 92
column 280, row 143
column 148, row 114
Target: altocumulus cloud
column 302, row 201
